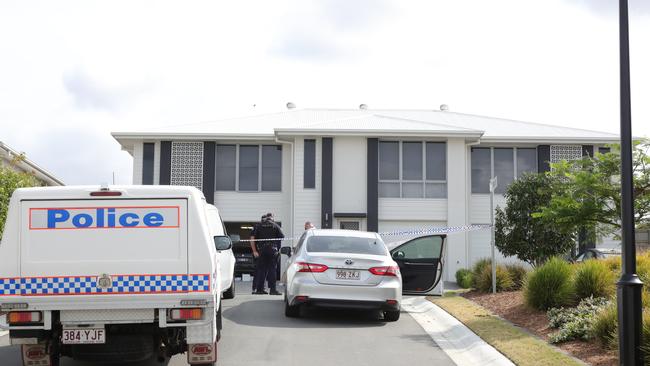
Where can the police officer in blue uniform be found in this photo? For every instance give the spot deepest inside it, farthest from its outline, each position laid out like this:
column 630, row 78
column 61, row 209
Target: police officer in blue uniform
column 266, row 251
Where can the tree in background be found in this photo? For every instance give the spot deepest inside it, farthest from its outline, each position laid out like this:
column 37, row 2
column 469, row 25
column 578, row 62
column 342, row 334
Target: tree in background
column 518, row 232
column 587, row 192
column 10, row 180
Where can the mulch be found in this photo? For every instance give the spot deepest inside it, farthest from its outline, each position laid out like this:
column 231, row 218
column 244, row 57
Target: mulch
column 510, row 306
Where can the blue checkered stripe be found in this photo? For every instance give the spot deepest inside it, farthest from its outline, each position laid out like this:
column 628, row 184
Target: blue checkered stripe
column 122, row 284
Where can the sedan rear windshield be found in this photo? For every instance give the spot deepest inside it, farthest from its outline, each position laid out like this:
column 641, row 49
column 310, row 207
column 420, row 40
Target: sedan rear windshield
column 345, row 244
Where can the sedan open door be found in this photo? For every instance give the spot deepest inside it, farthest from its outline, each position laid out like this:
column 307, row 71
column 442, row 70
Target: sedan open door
column 420, row 262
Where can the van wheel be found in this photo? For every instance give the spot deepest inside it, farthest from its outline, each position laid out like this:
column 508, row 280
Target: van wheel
column 391, row 316
column 230, row 293
column 291, row 311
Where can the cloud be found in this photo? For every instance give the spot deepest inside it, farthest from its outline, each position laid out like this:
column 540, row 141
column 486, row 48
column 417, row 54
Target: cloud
column 353, row 15
column 305, row 47
column 610, row 7
column 310, row 31
column 79, row 155
column 89, row 93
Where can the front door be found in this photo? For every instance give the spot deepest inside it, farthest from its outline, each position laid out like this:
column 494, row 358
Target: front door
column 420, row 262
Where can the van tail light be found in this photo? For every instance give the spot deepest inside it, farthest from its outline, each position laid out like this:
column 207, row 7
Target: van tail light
column 186, row 314
column 311, row 267
column 24, row 317
column 384, row 271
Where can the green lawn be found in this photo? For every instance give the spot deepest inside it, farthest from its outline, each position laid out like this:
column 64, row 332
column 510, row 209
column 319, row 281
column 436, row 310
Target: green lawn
column 519, row 346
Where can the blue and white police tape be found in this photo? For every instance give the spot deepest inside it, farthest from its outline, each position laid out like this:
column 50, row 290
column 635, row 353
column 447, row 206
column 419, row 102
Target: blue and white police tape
column 411, row 232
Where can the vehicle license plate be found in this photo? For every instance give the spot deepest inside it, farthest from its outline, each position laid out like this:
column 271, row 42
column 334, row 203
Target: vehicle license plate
column 342, row 274
column 84, row 336
column 243, row 259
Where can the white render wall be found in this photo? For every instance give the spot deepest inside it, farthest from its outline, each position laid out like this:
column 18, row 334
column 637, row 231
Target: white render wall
column 307, row 202
column 416, row 209
column 457, row 196
column 350, row 174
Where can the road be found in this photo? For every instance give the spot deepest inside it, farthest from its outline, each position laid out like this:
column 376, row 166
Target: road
column 256, row 332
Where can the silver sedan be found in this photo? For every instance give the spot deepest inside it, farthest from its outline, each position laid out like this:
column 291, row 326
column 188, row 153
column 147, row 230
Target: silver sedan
column 342, row 268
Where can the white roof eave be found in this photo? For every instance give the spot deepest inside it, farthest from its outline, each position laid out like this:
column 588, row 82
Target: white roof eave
column 188, row 136
column 375, row 133
column 550, row 140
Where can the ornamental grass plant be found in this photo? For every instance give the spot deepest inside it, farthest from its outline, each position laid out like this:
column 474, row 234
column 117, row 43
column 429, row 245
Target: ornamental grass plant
column 464, row 278
column 593, row 278
column 550, row 285
column 503, row 280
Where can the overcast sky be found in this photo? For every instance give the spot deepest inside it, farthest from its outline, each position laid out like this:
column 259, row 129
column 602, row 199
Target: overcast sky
column 73, row 71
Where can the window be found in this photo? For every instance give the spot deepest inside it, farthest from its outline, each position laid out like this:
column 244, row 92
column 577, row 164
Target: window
column 249, row 158
column 504, row 168
column 226, row 169
column 249, row 168
column 504, row 163
column 526, row 161
column 345, row 244
column 309, row 164
column 389, row 160
column 271, row 167
column 481, row 169
column 412, row 169
column 428, row 247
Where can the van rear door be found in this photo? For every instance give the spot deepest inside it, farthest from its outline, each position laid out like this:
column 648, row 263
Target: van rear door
column 135, row 245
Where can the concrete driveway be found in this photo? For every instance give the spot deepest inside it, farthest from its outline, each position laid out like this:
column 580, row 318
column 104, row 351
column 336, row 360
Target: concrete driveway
column 256, row 332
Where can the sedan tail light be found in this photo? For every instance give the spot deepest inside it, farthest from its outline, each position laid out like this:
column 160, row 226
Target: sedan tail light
column 311, row 267
column 24, row 317
column 384, row 271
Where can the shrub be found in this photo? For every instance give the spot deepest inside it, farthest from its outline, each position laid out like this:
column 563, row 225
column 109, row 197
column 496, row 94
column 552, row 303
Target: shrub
column 613, row 263
column 575, row 322
column 478, row 267
column 604, row 326
column 594, row 279
column 484, row 280
column 643, row 266
column 549, row 285
column 517, row 274
column 464, row 278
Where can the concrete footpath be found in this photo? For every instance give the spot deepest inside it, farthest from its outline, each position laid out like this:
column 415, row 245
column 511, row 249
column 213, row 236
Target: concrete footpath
column 462, row 345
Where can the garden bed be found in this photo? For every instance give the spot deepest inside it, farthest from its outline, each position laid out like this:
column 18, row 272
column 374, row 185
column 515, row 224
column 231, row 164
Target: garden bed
column 510, row 306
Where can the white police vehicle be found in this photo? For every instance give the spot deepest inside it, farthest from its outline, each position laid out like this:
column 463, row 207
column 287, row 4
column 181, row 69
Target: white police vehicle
column 115, row 274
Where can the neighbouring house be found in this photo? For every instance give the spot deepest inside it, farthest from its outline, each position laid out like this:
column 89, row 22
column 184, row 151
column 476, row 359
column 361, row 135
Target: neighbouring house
column 367, row 169
column 19, row 162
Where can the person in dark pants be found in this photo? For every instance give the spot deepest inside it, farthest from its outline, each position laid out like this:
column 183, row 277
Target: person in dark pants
column 253, row 249
column 266, row 251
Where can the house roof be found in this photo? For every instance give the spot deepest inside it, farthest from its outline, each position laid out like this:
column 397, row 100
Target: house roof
column 29, row 166
column 374, row 122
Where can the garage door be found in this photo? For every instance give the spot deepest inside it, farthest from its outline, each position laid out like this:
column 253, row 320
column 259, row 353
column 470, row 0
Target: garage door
column 391, row 226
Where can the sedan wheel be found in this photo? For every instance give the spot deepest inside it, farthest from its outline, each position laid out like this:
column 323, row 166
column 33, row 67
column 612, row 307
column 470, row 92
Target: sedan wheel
column 290, row 311
column 391, row 316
